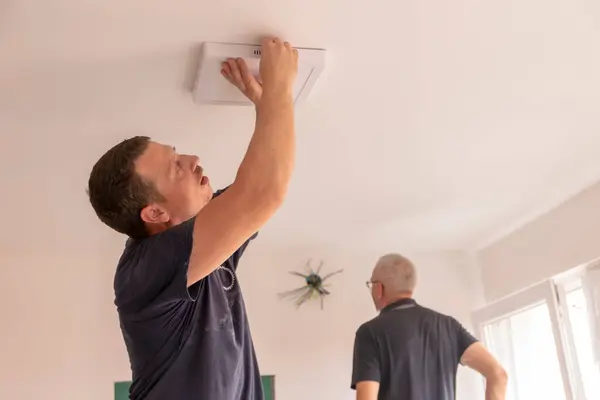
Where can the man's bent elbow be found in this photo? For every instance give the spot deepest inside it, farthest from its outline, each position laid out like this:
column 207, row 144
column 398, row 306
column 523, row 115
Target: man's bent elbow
column 498, row 375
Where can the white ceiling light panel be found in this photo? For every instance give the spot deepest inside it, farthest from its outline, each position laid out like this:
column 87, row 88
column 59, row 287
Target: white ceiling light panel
column 212, row 88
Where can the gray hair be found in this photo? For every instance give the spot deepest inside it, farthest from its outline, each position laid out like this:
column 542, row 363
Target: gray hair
column 396, row 273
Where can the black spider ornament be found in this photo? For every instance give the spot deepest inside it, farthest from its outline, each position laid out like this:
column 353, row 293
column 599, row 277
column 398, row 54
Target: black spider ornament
column 313, row 286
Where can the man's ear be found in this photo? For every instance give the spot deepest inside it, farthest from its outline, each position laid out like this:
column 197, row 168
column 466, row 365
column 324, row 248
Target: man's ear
column 380, row 290
column 154, row 214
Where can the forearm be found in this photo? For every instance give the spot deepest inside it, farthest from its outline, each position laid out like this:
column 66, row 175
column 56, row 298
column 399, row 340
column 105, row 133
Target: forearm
column 269, row 160
column 477, row 357
column 495, row 388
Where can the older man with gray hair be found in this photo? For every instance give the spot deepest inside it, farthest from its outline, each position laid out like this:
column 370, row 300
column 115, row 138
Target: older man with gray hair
column 410, row 352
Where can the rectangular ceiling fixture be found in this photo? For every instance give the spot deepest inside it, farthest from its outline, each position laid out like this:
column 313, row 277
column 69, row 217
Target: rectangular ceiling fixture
column 212, row 87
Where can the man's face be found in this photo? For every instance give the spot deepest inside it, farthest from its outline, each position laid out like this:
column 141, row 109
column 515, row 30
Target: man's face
column 179, row 179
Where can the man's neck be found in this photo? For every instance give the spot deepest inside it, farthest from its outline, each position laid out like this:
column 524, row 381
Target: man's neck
column 154, row 229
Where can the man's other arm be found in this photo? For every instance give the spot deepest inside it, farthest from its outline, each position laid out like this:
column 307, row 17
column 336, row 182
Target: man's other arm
column 261, row 183
column 481, row 360
column 367, row 390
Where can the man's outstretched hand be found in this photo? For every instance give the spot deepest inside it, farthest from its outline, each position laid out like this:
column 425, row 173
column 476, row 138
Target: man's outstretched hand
column 236, row 72
column 278, row 69
column 278, row 66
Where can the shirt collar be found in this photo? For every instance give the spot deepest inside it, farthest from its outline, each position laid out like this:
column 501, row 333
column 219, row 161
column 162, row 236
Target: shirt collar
column 399, row 303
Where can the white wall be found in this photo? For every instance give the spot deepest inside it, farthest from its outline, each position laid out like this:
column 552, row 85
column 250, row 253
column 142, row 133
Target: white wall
column 60, row 337
column 562, row 239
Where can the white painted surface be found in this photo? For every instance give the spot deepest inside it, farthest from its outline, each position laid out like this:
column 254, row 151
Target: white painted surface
column 562, row 239
column 434, row 124
column 63, row 341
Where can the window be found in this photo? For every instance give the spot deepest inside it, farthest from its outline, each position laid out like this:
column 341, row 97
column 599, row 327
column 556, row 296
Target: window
column 548, row 337
column 519, row 331
column 575, row 299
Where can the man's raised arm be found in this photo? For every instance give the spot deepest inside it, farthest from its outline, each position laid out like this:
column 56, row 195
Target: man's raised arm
column 261, row 183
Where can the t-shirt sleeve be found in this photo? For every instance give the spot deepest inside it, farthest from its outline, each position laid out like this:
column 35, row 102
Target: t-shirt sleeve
column 219, row 192
column 366, row 364
column 464, row 338
column 160, row 275
column 235, row 258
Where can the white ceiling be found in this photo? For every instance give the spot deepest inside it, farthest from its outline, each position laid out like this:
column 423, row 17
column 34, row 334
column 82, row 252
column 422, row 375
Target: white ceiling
column 434, row 126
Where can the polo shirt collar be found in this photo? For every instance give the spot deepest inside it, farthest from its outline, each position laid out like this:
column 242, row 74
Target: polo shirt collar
column 399, row 303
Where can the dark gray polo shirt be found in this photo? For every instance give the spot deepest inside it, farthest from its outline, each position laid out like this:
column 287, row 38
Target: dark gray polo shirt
column 412, row 351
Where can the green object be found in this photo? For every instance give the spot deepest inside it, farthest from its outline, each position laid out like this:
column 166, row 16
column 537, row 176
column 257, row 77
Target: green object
column 268, row 383
column 122, row 390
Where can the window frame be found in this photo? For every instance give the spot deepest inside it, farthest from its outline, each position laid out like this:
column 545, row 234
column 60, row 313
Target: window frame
column 581, row 277
column 570, row 349
column 542, row 293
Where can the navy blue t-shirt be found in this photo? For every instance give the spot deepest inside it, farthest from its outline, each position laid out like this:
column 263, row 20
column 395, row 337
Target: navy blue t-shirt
column 184, row 344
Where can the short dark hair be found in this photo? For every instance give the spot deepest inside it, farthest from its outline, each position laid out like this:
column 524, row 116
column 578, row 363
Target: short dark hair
column 117, row 193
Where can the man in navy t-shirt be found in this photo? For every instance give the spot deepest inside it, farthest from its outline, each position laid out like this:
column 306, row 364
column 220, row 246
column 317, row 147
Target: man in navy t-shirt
column 180, row 305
